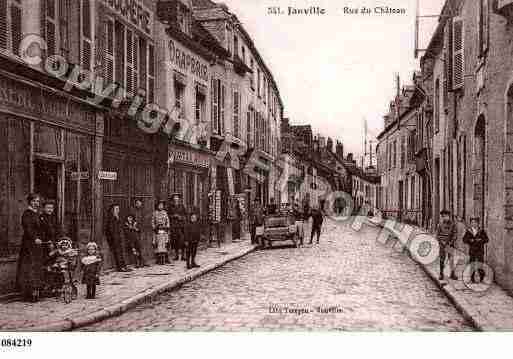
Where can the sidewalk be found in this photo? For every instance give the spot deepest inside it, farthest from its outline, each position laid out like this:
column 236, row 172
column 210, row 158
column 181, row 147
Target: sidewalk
column 488, row 310
column 117, row 293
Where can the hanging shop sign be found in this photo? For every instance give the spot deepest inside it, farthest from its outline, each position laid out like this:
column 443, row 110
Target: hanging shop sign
column 231, row 183
column 187, row 157
column 134, row 12
column 107, row 175
column 214, row 206
column 79, row 176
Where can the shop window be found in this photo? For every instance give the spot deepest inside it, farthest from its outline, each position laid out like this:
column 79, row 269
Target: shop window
column 47, row 140
column 14, row 180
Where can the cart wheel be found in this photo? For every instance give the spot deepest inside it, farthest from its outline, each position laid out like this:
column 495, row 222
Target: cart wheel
column 67, row 293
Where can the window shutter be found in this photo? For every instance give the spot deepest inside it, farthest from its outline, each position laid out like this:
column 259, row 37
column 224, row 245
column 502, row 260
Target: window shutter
column 151, row 73
column 236, row 101
column 16, row 29
column 119, row 51
column 222, row 106
column 486, row 22
column 136, row 57
column 50, row 26
column 86, row 53
column 214, row 99
column 129, row 62
column 142, row 63
column 4, row 33
column 109, row 52
column 458, row 60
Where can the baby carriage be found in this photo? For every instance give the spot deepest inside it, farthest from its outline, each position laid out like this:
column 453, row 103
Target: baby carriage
column 62, row 270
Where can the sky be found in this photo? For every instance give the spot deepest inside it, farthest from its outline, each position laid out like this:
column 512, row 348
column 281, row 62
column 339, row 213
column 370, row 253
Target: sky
column 335, row 70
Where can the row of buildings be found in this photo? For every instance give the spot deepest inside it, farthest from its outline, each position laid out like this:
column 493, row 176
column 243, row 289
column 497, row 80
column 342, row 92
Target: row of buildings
column 106, row 102
column 447, row 138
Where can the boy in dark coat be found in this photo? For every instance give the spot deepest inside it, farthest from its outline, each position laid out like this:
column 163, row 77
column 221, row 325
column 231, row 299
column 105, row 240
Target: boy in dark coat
column 193, row 230
column 476, row 238
column 177, row 217
column 446, row 236
column 317, row 219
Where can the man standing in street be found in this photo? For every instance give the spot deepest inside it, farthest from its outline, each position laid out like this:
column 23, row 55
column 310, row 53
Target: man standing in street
column 256, row 219
column 446, row 236
column 317, row 219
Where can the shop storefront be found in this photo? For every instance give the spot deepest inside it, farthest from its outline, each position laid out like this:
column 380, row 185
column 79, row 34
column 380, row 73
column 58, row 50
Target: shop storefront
column 47, row 146
column 188, row 175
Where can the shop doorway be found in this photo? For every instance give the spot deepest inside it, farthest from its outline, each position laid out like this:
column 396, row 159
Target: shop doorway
column 47, row 181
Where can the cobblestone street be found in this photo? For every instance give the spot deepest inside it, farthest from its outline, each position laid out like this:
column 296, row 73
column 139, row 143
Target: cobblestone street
column 348, row 282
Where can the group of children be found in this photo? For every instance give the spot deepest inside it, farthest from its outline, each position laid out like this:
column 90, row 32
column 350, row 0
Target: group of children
column 475, row 237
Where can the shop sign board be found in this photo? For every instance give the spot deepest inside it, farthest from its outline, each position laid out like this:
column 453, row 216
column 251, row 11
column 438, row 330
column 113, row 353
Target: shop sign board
column 187, row 157
column 108, row 175
column 79, row 176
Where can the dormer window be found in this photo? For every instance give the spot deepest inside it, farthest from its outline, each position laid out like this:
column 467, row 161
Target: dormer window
column 184, row 19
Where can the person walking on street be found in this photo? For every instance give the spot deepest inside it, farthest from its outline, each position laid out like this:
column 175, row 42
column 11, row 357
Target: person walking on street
column 446, row 236
column 476, row 238
column 31, row 258
column 115, row 237
column 178, row 217
column 317, row 219
column 299, row 218
column 256, row 219
column 160, row 224
column 193, row 231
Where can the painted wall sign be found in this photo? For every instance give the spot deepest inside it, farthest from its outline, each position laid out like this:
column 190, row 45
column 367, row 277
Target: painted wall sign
column 133, row 11
column 187, row 61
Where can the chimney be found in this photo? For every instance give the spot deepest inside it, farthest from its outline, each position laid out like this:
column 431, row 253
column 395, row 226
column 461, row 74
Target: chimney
column 329, row 144
column 340, row 149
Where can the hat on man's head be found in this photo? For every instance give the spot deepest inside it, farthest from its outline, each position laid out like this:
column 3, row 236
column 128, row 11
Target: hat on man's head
column 445, row 212
column 92, row 245
column 474, row 219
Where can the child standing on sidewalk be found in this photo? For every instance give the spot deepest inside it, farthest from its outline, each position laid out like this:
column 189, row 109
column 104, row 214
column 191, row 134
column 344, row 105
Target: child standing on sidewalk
column 476, row 238
column 192, row 238
column 91, row 269
column 446, row 236
column 132, row 234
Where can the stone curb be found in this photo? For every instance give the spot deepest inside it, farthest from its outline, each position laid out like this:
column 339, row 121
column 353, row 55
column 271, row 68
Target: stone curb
column 477, row 320
column 80, row 321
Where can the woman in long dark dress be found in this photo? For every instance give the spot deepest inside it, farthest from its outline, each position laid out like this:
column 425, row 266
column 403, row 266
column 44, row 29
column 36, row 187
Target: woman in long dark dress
column 31, row 260
column 115, row 236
